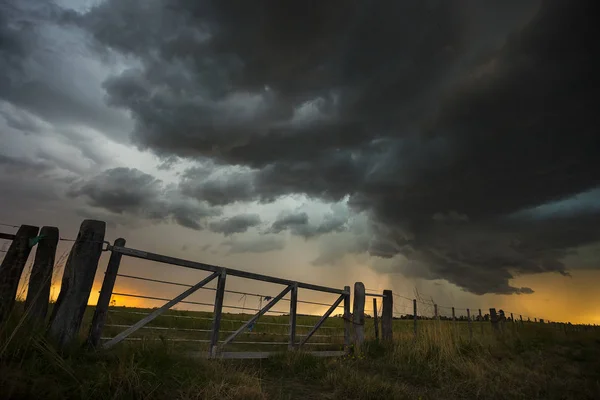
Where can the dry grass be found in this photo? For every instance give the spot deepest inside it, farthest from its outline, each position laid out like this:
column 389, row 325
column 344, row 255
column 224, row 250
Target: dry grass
column 534, row 361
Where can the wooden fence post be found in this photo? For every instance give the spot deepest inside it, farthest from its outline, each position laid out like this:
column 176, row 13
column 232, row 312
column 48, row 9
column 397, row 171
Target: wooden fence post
column 293, row 309
column 347, row 320
column 218, row 311
column 435, row 312
column 12, row 267
column 375, row 319
column 481, row 321
column 38, row 290
column 108, row 284
column 77, row 282
column 453, row 315
column 387, row 314
column 470, row 324
column 359, row 314
column 415, row 317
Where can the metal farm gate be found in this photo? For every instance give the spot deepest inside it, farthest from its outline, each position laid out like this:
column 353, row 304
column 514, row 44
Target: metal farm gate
column 216, row 345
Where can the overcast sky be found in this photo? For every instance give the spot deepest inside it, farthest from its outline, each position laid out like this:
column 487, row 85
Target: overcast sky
column 446, row 146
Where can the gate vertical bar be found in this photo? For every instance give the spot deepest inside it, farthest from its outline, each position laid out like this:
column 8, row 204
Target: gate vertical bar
column 218, row 310
column 347, row 320
column 110, row 277
column 375, row 319
column 293, row 308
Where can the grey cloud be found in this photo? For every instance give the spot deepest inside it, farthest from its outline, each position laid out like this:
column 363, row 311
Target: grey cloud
column 263, row 244
column 130, row 191
column 298, row 224
column 236, row 224
column 446, row 109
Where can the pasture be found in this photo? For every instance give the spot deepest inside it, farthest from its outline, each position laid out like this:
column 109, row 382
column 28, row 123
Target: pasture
column 524, row 361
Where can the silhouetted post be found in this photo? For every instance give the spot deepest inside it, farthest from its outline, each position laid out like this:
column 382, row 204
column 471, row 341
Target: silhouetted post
column 12, row 267
column 470, row 325
column 375, row 319
column 77, row 282
column 453, row 315
column 293, row 309
column 387, row 316
column 512, row 319
column 535, row 320
column 38, row 290
column 347, row 320
column 521, row 318
column 435, row 312
column 359, row 314
column 415, row 316
column 108, row 284
column 481, row 321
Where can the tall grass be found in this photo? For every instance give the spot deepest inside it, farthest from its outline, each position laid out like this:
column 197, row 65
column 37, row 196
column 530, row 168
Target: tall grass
column 533, row 361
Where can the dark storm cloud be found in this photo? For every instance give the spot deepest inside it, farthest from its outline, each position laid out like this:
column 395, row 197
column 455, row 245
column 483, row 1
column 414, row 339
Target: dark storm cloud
column 130, row 191
column 439, row 119
column 236, row 224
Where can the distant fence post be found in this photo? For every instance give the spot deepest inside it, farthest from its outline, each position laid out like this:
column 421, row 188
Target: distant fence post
column 415, row 316
column 435, row 312
column 535, row 320
column 359, row 314
column 293, row 309
column 387, row 316
column 494, row 320
column 521, row 318
column 375, row 319
column 453, row 314
column 470, row 325
column 38, row 290
column 218, row 311
column 481, row 321
column 347, row 320
column 12, row 267
column 108, row 284
column 77, row 282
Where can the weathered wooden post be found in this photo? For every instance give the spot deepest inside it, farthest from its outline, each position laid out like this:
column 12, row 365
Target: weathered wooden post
column 359, row 314
column 347, row 320
column 108, row 284
column 415, row 317
column 12, row 267
column 77, row 282
column 470, row 325
column 293, row 309
column 375, row 319
column 387, row 316
column 453, row 314
column 435, row 312
column 521, row 318
column 218, row 311
column 38, row 291
column 535, row 320
column 481, row 321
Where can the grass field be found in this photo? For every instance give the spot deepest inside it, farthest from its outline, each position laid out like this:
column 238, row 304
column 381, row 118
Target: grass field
column 524, row 362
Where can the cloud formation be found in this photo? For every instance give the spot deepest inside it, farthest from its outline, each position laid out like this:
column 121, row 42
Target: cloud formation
column 236, row 224
column 446, row 126
column 130, row 191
